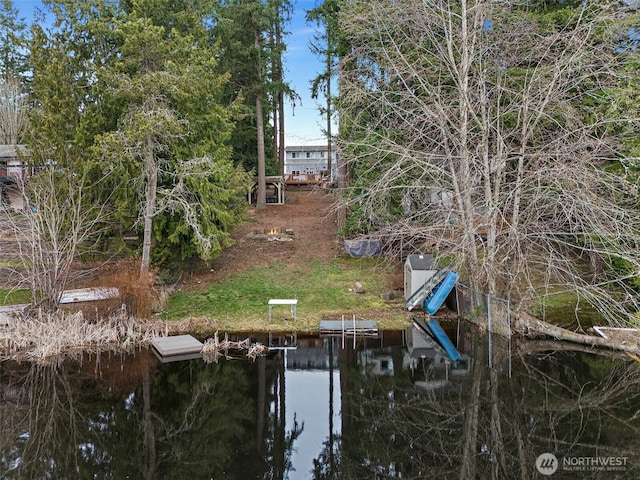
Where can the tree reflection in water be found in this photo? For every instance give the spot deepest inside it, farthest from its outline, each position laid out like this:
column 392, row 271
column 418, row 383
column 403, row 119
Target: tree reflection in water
column 486, row 424
column 131, row 416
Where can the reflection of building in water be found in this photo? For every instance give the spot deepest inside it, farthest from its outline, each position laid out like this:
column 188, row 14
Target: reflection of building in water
column 377, row 363
column 388, row 354
column 312, row 354
column 283, row 341
column 414, row 351
column 428, row 362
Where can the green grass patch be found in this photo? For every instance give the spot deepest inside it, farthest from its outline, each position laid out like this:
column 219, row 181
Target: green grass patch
column 567, row 310
column 323, row 290
column 13, row 297
column 11, row 263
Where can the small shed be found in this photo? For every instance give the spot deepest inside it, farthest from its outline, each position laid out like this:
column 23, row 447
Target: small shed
column 418, row 268
column 274, row 190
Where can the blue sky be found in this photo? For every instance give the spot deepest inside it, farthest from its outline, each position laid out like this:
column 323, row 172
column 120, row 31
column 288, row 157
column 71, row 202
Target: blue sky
column 303, row 124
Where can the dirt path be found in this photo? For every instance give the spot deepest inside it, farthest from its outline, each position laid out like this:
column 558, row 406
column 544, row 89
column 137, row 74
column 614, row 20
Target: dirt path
column 306, row 231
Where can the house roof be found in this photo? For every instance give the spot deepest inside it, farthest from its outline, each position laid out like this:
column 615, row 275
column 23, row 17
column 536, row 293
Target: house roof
column 11, row 151
column 421, row 261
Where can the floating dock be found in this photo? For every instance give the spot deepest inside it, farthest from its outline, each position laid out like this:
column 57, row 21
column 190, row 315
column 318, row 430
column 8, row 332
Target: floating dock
column 177, row 347
column 340, row 328
column 9, row 313
column 88, row 295
column 628, row 334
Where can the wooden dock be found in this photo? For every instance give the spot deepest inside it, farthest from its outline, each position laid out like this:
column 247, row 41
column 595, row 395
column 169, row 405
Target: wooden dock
column 342, row 328
column 9, row 313
column 177, row 347
column 88, row 295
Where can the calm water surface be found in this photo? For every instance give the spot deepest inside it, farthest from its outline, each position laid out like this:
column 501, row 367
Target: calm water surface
column 383, row 407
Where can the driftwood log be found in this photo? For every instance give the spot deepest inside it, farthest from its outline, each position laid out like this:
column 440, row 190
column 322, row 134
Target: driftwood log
column 544, row 345
column 532, row 327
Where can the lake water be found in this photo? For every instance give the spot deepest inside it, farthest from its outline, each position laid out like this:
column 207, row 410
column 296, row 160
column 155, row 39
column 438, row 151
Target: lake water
column 390, row 406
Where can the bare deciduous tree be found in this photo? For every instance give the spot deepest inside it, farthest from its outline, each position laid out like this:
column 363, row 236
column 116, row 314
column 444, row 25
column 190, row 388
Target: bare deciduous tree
column 58, row 225
column 13, row 104
column 477, row 129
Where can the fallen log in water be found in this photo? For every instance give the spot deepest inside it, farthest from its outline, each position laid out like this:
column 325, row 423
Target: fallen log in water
column 544, row 345
column 532, row 327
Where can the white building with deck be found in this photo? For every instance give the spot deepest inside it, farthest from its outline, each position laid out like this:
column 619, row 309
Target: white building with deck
column 309, row 164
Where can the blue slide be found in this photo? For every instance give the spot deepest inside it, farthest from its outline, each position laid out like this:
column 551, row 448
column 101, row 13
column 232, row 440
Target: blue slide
column 443, row 340
column 433, row 302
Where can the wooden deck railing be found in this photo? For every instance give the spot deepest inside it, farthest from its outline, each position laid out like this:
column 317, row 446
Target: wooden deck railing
column 302, row 178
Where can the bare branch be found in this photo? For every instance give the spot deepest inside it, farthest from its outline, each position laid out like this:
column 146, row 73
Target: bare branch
column 477, row 132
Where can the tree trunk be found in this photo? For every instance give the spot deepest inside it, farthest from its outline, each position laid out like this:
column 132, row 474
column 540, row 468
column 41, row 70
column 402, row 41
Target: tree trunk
column 281, row 133
column 343, row 171
column 261, row 200
column 531, row 326
column 149, row 207
column 280, row 96
column 462, row 160
column 149, row 467
column 329, row 112
column 262, row 402
column 499, row 466
column 470, row 432
column 276, row 128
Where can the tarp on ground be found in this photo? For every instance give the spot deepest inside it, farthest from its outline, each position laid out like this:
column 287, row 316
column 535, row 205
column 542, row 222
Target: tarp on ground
column 366, row 247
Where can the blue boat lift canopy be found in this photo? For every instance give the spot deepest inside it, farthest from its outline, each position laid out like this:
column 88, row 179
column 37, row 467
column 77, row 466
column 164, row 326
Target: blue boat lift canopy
column 432, row 295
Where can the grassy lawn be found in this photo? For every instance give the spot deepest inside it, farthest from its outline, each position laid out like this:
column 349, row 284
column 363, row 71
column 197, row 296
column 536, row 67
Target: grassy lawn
column 8, row 297
column 323, row 290
column 567, row 310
